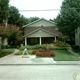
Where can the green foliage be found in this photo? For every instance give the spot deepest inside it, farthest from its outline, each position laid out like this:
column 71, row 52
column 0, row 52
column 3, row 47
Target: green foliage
column 69, row 18
column 32, row 19
column 16, row 18
column 76, row 48
column 21, row 51
column 46, row 47
column 13, row 33
column 31, row 47
column 5, row 52
column 64, row 55
column 13, row 15
column 4, row 7
column 5, row 46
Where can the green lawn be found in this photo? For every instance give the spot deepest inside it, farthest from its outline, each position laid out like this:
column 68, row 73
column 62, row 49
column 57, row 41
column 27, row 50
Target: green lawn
column 5, row 52
column 21, row 52
column 64, row 55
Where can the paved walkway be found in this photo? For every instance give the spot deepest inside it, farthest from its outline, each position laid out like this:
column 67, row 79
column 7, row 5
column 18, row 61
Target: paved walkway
column 31, row 59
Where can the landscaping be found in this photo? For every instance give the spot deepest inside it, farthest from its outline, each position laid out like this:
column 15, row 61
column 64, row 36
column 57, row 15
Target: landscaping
column 59, row 53
column 64, row 55
column 76, row 49
column 5, row 52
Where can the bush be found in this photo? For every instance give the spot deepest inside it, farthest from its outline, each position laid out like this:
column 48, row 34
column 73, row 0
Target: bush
column 5, row 52
column 5, row 46
column 44, row 53
column 34, row 51
column 59, row 48
column 31, row 47
column 59, row 43
column 75, row 47
column 45, row 47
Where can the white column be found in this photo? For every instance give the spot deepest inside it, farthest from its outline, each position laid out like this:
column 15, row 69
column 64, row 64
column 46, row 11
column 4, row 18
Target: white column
column 40, row 41
column 55, row 38
column 25, row 41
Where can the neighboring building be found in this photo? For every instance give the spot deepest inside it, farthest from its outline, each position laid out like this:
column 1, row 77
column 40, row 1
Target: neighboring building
column 77, row 36
column 40, row 32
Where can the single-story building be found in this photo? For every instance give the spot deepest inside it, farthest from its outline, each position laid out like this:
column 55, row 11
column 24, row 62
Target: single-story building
column 77, row 36
column 40, row 32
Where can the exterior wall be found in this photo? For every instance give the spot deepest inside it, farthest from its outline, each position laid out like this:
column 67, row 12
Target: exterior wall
column 77, row 37
column 40, row 33
column 41, row 23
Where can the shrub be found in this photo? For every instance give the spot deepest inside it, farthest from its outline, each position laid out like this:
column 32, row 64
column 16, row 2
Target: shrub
column 59, row 43
column 59, row 48
column 44, row 53
column 5, row 46
column 75, row 47
column 34, row 51
column 47, row 47
column 31, row 47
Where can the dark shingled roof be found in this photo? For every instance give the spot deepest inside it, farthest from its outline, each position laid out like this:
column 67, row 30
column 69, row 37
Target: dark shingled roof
column 51, row 29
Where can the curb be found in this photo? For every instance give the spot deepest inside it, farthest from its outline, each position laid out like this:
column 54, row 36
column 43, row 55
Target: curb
column 33, row 64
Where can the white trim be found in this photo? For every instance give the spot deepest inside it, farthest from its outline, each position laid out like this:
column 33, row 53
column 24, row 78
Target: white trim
column 40, row 40
column 55, row 38
column 25, row 41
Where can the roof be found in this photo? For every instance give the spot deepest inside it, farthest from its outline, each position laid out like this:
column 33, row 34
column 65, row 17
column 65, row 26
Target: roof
column 38, row 21
column 51, row 30
column 40, row 29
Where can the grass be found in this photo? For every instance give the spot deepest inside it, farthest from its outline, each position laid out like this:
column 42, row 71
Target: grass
column 5, row 52
column 21, row 52
column 61, row 55
column 64, row 55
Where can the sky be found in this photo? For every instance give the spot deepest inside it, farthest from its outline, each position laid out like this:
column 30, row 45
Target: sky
column 38, row 5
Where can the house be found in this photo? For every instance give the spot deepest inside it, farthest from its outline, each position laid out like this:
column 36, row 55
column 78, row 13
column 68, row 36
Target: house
column 40, row 32
column 77, row 36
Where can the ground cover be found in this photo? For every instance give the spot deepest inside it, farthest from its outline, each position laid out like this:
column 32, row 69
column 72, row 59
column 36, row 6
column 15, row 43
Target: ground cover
column 5, row 52
column 64, row 55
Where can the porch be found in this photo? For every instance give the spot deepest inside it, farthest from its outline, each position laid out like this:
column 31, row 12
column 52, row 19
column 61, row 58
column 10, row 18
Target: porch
column 39, row 40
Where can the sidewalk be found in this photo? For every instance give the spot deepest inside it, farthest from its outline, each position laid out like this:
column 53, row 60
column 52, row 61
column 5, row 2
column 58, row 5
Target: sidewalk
column 32, row 60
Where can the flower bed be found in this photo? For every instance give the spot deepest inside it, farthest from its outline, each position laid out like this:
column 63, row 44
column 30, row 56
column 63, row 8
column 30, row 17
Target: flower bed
column 43, row 53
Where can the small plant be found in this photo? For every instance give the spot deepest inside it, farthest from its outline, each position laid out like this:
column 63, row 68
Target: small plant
column 58, row 43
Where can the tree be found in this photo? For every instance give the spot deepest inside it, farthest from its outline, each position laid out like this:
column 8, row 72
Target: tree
column 32, row 19
column 13, row 33
column 16, row 18
column 4, row 7
column 14, row 15
column 69, row 18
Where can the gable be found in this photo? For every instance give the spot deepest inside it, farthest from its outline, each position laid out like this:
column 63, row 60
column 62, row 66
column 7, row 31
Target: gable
column 39, row 23
column 40, row 33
